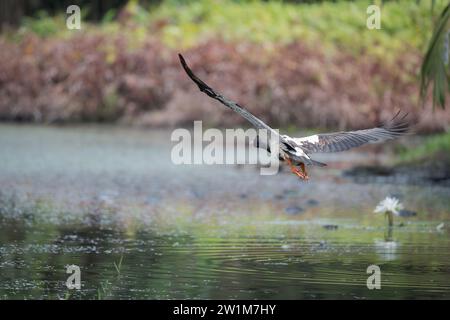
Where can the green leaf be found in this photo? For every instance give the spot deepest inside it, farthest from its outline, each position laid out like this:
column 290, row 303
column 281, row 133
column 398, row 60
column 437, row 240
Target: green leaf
column 434, row 67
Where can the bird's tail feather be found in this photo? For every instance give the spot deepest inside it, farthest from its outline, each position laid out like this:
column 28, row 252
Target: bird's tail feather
column 317, row 163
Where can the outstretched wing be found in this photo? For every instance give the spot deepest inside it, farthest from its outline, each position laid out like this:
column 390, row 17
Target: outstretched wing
column 341, row 141
column 230, row 104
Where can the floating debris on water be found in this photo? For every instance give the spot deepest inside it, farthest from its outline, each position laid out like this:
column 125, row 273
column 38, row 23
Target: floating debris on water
column 407, row 213
column 312, row 203
column 293, row 210
column 330, row 226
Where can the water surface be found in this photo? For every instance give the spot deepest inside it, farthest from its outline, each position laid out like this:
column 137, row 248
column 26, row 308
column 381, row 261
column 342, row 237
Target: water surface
column 95, row 196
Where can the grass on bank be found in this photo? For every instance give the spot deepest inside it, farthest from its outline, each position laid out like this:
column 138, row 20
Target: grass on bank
column 435, row 147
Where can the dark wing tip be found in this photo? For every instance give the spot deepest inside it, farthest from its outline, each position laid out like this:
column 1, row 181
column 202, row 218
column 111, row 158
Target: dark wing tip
column 187, row 69
column 201, row 85
column 399, row 124
column 183, row 63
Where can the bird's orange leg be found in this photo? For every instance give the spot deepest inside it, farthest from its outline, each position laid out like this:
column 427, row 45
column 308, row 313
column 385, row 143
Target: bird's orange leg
column 301, row 175
column 302, row 166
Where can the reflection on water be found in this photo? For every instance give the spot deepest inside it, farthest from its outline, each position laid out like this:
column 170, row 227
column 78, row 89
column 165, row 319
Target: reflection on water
column 304, row 263
column 387, row 249
column 91, row 197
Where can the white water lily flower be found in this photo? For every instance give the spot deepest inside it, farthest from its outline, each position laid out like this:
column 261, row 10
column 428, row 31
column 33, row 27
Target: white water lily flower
column 389, row 204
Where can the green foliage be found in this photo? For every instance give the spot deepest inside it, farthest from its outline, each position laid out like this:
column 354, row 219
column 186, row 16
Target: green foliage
column 118, row 266
column 435, row 65
column 405, row 24
column 44, row 25
column 109, row 16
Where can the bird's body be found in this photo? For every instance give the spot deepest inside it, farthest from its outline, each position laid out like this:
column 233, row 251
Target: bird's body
column 297, row 151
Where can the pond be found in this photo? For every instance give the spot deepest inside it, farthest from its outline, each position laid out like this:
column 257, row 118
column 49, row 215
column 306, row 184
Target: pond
column 110, row 201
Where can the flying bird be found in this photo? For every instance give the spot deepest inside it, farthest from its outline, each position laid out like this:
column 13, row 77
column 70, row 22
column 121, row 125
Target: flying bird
column 297, row 151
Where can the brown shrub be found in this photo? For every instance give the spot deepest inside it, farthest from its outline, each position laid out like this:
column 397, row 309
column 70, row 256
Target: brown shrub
column 95, row 78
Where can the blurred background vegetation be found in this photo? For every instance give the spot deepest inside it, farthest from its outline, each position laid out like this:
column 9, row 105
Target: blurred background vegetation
column 294, row 63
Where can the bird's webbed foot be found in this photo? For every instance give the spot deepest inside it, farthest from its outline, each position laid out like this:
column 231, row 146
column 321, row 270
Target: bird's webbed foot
column 301, row 174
